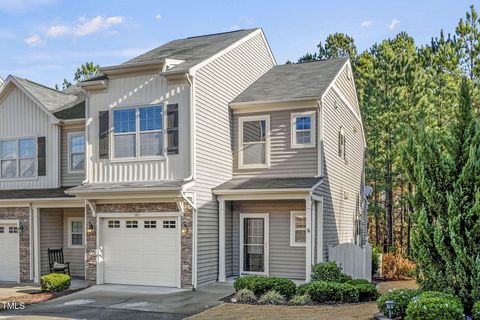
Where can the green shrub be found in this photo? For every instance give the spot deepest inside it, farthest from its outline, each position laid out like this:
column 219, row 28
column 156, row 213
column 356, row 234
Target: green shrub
column 401, row 297
column 358, row 281
column 271, row 297
column 367, row 292
column 476, row 311
column 301, row 299
column 375, row 260
column 435, row 306
column 302, row 289
column 329, row 271
column 260, row 285
column 55, row 282
column 324, row 291
column 245, row 296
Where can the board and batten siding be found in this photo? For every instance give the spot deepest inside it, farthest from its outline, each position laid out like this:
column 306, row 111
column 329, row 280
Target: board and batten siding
column 216, row 84
column 76, row 256
column 51, row 235
column 135, row 91
column 20, row 117
column 285, row 161
column 343, row 179
column 285, row 261
column 69, row 178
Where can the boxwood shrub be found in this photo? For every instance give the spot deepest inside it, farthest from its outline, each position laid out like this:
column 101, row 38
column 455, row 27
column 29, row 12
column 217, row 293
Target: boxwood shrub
column 260, row 285
column 329, row 271
column 401, row 297
column 325, row 291
column 366, row 292
column 476, row 311
column 435, row 306
column 358, row 281
column 55, row 282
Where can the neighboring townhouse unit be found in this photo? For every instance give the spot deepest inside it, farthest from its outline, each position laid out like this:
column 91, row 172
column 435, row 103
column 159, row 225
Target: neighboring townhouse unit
column 194, row 162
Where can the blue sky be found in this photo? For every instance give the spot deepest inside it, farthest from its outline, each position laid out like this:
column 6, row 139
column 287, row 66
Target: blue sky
column 45, row 40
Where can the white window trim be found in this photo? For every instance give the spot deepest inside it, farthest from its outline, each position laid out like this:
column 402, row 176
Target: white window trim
column 18, row 177
column 293, row 243
column 74, row 219
column 137, row 134
column 69, row 151
column 313, row 127
column 241, row 120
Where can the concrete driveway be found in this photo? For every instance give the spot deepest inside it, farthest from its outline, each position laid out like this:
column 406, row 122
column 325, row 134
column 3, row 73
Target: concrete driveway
column 126, row 302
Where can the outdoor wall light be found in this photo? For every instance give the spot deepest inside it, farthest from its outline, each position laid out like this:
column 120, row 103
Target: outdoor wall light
column 390, row 304
column 184, row 228
column 90, row 228
column 21, row 228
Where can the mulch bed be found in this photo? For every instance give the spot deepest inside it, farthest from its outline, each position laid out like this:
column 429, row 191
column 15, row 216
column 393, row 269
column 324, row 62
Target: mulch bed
column 31, row 298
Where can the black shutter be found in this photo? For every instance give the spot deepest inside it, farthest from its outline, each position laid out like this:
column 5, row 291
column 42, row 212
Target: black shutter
column 172, row 129
column 103, row 134
column 42, row 156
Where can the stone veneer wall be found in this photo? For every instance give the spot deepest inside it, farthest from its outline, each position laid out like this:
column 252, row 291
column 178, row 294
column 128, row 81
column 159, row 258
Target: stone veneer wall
column 186, row 241
column 21, row 214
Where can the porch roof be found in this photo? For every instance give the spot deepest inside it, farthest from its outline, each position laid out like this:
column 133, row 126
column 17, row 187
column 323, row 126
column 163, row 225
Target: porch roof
column 267, row 184
column 128, row 187
column 34, row 194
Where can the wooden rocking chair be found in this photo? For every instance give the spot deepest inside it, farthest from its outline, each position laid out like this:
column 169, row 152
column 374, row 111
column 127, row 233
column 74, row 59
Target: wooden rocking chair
column 56, row 262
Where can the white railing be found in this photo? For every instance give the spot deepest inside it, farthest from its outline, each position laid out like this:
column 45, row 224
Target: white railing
column 354, row 260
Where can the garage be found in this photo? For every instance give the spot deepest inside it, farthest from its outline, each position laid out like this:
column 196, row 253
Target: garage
column 141, row 251
column 9, row 252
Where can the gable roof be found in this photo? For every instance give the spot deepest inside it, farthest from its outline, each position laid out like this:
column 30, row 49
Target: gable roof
column 293, row 82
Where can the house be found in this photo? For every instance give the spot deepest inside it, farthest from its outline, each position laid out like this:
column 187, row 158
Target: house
column 203, row 160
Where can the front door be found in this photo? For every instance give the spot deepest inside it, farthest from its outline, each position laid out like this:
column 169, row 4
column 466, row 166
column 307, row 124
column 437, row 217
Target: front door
column 254, row 243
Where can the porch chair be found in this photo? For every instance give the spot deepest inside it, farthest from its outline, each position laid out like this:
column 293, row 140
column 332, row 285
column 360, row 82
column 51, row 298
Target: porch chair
column 56, row 262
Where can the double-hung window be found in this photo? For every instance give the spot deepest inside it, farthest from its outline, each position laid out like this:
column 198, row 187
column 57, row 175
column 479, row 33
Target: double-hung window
column 298, row 228
column 17, row 158
column 254, row 142
column 75, row 232
column 76, row 152
column 303, row 129
column 138, row 132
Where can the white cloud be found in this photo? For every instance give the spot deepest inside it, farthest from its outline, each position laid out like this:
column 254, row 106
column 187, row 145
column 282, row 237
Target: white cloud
column 394, row 24
column 34, row 40
column 83, row 26
column 158, row 17
column 366, row 24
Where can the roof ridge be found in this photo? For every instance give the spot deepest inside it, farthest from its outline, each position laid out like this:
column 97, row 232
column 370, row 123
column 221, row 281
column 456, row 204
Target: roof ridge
column 218, row 33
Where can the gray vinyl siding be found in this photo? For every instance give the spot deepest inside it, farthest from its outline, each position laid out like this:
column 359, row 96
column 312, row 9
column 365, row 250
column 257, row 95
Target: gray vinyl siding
column 76, row 256
column 284, row 260
column 51, row 235
column 216, row 84
column 69, row 179
column 285, row 161
column 343, row 180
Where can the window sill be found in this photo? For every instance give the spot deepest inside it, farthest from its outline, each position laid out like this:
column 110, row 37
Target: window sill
column 255, row 166
column 302, row 146
column 76, row 171
column 71, row 246
column 297, row 244
column 139, row 159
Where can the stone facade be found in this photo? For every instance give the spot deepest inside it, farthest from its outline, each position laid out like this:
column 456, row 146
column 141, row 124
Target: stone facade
column 21, row 214
column 186, row 238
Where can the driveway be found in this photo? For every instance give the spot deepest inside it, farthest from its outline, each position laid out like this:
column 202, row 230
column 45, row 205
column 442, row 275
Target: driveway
column 126, row 302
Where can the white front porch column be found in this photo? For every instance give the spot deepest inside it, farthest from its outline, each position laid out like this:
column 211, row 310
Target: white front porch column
column 308, row 240
column 221, row 240
column 36, row 245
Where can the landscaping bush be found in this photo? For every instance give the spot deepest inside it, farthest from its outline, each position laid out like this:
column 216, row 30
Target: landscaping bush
column 302, row 289
column 245, row 296
column 375, row 260
column 55, row 282
column 323, row 291
column 329, row 271
column 395, row 266
column 366, row 292
column 271, row 297
column 260, row 285
column 476, row 311
column 358, row 281
column 401, row 297
column 435, row 306
column 301, row 299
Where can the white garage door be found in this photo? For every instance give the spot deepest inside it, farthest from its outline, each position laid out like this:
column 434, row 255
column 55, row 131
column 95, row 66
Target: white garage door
column 9, row 252
column 143, row 251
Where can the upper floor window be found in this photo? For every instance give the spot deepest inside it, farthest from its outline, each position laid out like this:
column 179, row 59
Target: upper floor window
column 138, row 132
column 254, row 142
column 303, row 129
column 341, row 144
column 17, row 158
column 76, row 152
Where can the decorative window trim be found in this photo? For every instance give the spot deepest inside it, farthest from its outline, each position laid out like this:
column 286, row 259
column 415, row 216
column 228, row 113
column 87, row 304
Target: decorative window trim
column 76, row 219
column 17, row 159
column 293, row 229
column 69, row 151
column 241, row 120
column 313, row 129
column 137, row 134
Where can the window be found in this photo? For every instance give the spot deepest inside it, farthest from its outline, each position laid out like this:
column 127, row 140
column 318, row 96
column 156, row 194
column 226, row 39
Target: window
column 169, row 224
column 12, row 229
column 113, row 224
column 76, row 152
column 2, row 229
column 298, row 228
column 150, row 224
column 303, row 129
column 138, row 132
column 17, row 158
column 341, row 144
column 131, row 224
column 254, row 142
column 75, row 232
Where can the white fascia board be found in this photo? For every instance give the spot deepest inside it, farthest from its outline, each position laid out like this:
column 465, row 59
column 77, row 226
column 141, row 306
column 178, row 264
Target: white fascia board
column 95, row 85
column 261, row 191
column 43, row 203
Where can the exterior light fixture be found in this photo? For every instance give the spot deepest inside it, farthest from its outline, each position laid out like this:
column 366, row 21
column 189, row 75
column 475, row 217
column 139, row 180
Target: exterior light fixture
column 184, row 228
column 390, row 304
column 90, row 228
column 21, row 228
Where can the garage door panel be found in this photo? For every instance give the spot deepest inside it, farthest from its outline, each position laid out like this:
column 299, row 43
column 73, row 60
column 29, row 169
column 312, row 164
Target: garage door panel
column 9, row 253
column 146, row 255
